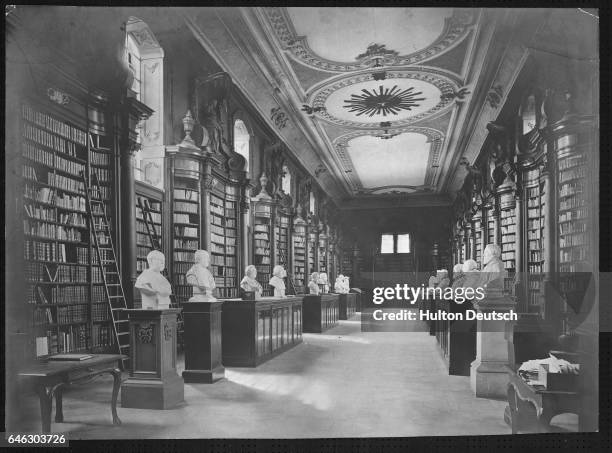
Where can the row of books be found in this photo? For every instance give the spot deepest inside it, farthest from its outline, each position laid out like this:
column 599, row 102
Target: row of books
column 54, row 125
column 51, row 215
column 184, row 206
column 183, row 292
column 574, row 173
column 572, row 203
column 263, row 209
column 574, row 188
column 223, row 221
column 186, row 195
column 573, row 240
column 50, row 141
column 569, row 255
column 65, row 183
column 262, row 249
column 571, row 162
column 184, row 218
column 99, row 159
column 142, row 250
column 184, row 256
column 47, row 158
column 263, row 228
column 72, row 313
column 224, row 271
column 51, row 231
column 49, row 196
column 230, row 232
column 535, row 255
column 103, row 174
column 262, row 259
column 186, row 244
column 578, row 214
column 100, row 312
column 155, row 216
column 570, row 228
column 102, row 336
column 186, row 231
column 44, row 251
column 142, row 228
column 217, row 248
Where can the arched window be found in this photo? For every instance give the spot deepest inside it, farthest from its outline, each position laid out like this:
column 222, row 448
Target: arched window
column 242, row 140
column 286, row 180
column 528, row 114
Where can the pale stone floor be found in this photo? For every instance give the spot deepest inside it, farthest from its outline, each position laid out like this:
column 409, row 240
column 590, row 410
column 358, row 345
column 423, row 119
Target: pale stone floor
column 343, row 383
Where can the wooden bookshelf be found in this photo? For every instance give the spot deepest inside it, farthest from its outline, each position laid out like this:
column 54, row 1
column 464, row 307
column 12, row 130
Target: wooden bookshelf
column 311, row 250
column 282, row 237
column 534, row 222
column 478, row 233
column 323, row 254
column 224, row 238
column 69, row 312
column 186, row 233
column 262, row 212
column 299, row 254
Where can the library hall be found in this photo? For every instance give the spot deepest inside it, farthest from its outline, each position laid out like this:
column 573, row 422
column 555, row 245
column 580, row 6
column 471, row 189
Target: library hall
column 275, row 222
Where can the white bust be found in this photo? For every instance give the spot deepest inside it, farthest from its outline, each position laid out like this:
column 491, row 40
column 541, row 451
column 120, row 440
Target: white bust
column 278, row 274
column 323, row 282
column 249, row 281
column 493, row 272
column 201, row 279
column 347, row 285
column 154, row 289
column 313, row 285
column 339, row 284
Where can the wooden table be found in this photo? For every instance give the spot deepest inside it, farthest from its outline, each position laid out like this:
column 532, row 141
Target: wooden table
column 524, row 398
column 49, row 378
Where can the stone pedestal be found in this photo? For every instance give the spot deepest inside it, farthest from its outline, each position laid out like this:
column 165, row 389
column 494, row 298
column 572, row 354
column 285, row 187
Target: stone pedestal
column 202, row 334
column 489, row 372
column 153, row 382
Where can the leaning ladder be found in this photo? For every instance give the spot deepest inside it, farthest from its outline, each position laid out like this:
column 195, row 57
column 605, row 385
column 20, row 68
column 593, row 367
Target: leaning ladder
column 107, row 262
column 156, row 245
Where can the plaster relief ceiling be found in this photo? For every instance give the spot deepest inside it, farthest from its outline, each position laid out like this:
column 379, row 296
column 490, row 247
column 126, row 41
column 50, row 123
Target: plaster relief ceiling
column 395, row 163
column 341, row 34
column 368, row 88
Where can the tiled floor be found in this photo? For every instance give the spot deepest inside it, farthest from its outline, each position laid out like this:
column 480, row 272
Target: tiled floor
column 343, row 383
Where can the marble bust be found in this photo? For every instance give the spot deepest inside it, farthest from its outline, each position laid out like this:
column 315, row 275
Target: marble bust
column 458, row 276
column 493, row 272
column 201, row 278
column 471, row 274
column 249, row 281
column 277, row 281
column 443, row 280
column 313, row 285
column 154, row 289
column 323, row 282
column 339, row 284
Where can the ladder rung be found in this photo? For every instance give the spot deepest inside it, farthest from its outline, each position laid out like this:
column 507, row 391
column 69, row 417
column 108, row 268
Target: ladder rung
column 123, row 333
column 124, row 346
column 113, row 284
column 121, row 320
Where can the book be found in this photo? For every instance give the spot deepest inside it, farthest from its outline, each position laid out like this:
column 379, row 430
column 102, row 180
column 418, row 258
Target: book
column 71, row 357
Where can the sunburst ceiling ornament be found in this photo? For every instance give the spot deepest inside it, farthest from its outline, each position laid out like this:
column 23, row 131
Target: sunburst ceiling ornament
column 386, row 101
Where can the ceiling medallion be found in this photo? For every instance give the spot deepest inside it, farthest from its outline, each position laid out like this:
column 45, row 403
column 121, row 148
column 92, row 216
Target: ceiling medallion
column 389, row 101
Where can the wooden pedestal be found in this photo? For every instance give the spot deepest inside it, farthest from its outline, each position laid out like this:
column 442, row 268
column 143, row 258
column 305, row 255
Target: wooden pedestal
column 347, row 304
column 320, row 312
column 153, row 382
column 202, row 324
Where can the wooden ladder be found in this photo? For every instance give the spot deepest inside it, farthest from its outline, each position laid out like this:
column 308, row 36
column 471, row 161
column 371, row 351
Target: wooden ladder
column 283, row 259
column 107, row 262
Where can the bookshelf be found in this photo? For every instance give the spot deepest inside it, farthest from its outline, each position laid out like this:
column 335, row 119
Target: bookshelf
column 490, row 224
column 153, row 203
column 282, row 237
column 478, row 233
column 323, row 254
column 262, row 211
column 311, row 249
column 508, row 238
column 535, row 218
column 224, row 237
column 185, row 233
column 576, row 227
column 63, row 284
column 346, row 263
column 299, row 254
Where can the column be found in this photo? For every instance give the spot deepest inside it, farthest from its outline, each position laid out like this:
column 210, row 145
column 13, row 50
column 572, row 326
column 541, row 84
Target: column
column 244, row 231
column 127, row 206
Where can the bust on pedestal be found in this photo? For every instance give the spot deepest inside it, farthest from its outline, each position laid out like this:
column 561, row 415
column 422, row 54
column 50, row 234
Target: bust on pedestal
column 200, row 278
column 154, row 288
column 249, row 283
column 277, row 281
column 202, row 324
column 323, row 283
column 313, row 285
column 153, row 382
column 489, row 372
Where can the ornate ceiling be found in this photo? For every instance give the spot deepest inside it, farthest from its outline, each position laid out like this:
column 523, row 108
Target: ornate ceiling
column 371, row 77
column 372, row 101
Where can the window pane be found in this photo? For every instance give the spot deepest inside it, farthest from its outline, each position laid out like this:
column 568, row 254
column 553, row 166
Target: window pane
column 403, row 243
column 386, row 243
